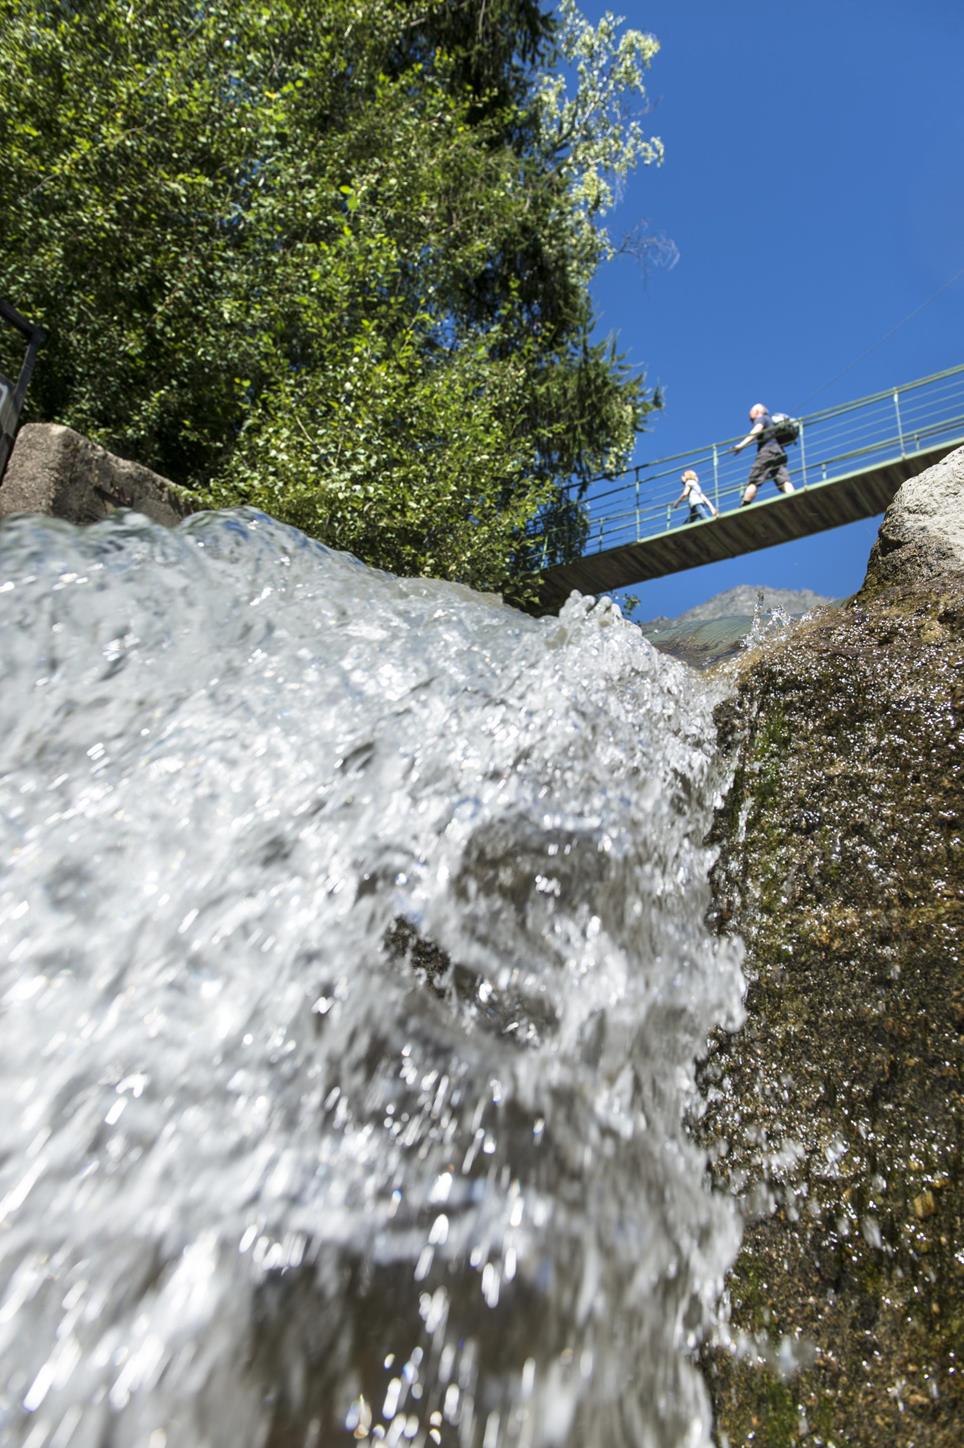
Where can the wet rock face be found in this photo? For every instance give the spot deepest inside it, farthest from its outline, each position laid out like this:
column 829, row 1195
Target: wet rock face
column 834, row 1113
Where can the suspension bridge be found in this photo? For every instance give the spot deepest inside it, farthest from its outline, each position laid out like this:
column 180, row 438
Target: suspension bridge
column 848, row 464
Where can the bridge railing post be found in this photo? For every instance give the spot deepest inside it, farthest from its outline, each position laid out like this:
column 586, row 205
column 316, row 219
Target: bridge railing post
column 900, row 430
column 636, row 475
column 716, row 477
column 803, row 453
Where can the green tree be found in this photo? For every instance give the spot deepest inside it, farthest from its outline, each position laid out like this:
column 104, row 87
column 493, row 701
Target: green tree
column 330, row 259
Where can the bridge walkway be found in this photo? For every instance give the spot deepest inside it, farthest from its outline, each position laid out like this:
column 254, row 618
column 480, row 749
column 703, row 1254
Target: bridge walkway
column 849, row 464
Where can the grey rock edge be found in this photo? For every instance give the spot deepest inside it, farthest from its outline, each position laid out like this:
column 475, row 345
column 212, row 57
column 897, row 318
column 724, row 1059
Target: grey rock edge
column 57, row 471
column 923, row 529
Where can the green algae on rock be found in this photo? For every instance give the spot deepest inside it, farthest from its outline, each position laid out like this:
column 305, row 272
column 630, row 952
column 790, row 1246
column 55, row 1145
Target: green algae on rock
column 835, row 1112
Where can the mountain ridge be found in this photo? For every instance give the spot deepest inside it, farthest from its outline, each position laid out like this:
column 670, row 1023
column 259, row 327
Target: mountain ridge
column 720, row 627
column 747, row 599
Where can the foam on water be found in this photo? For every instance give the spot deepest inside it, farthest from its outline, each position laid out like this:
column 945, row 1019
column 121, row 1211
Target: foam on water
column 354, row 970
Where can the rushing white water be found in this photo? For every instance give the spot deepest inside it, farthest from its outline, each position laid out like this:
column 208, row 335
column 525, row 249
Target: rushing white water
column 353, row 972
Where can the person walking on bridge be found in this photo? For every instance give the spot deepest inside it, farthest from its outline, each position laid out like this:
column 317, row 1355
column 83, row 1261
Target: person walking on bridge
column 700, row 505
column 770, row 461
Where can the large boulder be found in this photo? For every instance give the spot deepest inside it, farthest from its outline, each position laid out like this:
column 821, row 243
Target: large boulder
column 834, row 1114
column 923, row 529
column 57, row 471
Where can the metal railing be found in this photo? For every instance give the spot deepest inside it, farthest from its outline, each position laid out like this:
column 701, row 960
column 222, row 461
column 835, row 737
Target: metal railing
column 12, row 394
column 853, row 437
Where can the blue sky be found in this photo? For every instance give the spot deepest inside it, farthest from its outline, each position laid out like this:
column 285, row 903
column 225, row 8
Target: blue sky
column 814, row 188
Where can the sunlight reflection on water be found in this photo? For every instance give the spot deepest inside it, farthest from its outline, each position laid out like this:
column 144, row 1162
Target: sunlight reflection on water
column 354, row 972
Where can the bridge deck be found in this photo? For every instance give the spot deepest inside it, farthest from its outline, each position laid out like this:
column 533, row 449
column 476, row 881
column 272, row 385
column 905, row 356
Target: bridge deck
column 761, row 524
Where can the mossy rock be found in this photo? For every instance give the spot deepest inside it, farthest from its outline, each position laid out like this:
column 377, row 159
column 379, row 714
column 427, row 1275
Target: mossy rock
column 835, row 1112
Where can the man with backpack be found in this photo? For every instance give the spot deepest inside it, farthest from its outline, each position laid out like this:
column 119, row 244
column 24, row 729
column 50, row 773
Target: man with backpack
column 771, row 460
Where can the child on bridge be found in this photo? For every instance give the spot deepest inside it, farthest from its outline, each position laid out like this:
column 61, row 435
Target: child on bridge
column 700, row 505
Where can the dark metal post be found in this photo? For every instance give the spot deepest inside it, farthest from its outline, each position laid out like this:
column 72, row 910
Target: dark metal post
column 803, row 453
column 12, row 394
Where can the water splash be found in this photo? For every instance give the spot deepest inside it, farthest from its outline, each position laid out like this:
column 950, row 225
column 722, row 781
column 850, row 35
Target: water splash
column 768, row 623
column 354, row 972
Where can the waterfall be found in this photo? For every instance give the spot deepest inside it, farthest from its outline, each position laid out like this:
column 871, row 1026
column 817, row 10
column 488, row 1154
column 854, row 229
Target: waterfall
column 354, row 974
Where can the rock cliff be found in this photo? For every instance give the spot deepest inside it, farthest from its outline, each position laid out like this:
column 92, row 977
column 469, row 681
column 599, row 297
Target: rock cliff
column 834, row 1114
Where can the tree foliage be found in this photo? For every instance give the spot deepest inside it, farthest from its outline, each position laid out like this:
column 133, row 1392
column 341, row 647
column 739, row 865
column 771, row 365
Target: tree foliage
column 330, row 258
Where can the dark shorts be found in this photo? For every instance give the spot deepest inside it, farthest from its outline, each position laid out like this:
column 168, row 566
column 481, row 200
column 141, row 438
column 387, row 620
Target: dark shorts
column 770, row 462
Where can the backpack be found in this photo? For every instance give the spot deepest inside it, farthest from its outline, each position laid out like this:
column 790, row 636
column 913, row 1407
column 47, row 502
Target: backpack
column 784, row 429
